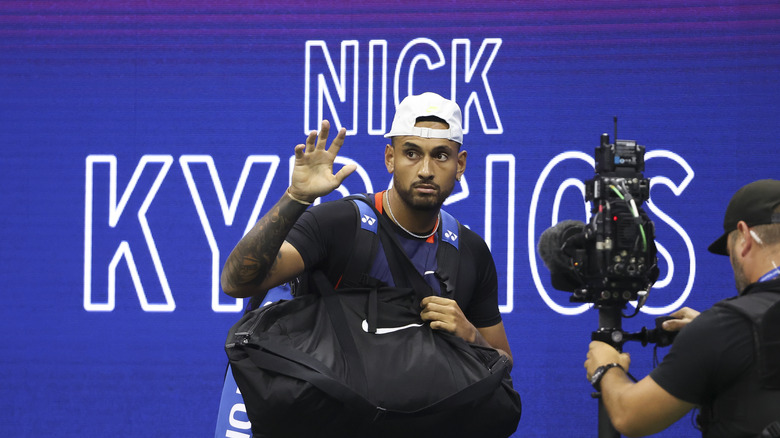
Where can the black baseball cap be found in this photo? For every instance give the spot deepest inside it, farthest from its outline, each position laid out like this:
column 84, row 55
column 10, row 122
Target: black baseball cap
column 754, row 204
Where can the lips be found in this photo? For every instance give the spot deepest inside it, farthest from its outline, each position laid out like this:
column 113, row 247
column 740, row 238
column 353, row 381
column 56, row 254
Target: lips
column 426, row 188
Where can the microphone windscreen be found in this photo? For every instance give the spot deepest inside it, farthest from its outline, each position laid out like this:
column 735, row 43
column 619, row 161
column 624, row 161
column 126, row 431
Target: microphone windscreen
column 549, row 247
column 551, row 241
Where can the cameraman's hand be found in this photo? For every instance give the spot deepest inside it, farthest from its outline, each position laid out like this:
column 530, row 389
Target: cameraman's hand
column 312, row 175
column 682, row 318
column 601, row 353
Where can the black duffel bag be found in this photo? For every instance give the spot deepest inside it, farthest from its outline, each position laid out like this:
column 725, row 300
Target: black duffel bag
column 361, row 363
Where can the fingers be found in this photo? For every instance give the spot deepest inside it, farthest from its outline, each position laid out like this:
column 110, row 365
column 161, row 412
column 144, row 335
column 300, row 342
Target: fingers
column 436, row 305
column 675, row 325
column 337, row 142
column 442, row 313
column 319, row 140
column 440, row 321
column 595, row 346
column 436, row 312
column 310, row 141
column 685, row 312
column 625, row 361
column 429, row 315
column 345, row 171
column 682, row 318
column 323, row 137
column 601, row 353
column 299, row 150
column 435, row 299
column 441, row 325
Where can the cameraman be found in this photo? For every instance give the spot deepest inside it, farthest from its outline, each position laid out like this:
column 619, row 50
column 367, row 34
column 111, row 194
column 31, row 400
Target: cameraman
column 714, row 362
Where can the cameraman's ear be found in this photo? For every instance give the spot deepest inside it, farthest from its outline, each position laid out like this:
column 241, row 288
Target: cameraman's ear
column 744, row 241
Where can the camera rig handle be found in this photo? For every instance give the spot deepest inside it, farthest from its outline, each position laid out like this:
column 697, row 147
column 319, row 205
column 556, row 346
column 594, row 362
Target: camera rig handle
column 616, row 337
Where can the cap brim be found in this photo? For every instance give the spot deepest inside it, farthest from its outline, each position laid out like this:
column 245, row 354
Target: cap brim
column 720, row 246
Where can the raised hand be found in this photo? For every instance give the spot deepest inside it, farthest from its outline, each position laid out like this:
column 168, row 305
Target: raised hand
column 313, row 175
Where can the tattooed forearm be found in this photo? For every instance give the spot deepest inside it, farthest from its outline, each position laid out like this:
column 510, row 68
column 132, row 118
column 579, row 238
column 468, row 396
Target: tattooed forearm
column 257, row 254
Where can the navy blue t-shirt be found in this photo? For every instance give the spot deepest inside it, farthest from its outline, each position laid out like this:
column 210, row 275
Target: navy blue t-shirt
column 324, row 236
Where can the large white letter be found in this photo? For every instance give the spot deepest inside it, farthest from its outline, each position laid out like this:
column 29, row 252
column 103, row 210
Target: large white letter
column 228, row 211
column 102, row 247
column 510, row 221
column 477, row 93
column 426, row 51
column 318, row 63
column 375, row 83
column 535, row 199
column 662, row 285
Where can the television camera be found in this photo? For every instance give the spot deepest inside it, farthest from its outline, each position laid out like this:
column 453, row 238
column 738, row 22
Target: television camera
column 612, row 259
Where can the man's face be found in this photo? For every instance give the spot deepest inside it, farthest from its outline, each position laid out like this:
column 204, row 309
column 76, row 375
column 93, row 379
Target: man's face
column 736, row 264
column 425, row 169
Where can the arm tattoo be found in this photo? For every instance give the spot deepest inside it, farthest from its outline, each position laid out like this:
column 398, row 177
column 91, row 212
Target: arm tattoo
column 257, row 254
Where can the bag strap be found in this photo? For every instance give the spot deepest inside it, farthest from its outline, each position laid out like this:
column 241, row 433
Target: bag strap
column 366, row 242
column 763, row 310
column 365, row 247
column 332, row 301
column 404, row 272
column 447, row 257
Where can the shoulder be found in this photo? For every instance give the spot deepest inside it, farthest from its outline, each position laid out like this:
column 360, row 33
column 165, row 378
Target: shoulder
column 342, row 206
column 474, row 243
column 711, row 351
column 717, row 322
column 324, row 232
column 753, row 305
column 320, row 221
column 330, row 212
column 716, row 333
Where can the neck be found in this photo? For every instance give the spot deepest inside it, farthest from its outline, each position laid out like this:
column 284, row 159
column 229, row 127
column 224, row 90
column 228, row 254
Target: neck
column 416, row 221
column 767, row 263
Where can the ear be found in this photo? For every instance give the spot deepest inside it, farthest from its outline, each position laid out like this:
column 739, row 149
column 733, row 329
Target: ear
column 390, row 158
column 461, row 164
column 745, row 237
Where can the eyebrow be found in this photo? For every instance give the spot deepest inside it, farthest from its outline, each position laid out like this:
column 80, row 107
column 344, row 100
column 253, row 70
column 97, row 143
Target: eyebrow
column 440, row 148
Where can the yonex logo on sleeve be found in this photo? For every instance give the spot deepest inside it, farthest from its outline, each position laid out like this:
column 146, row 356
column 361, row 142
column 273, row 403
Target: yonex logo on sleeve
column 450, row 235
column 368, row 219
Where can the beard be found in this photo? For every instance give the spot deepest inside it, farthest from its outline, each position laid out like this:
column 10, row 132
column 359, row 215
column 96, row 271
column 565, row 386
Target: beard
column 739, row 274
column 425, row 202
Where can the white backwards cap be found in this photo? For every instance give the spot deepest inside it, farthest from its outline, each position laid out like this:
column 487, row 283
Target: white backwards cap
column 427, row 104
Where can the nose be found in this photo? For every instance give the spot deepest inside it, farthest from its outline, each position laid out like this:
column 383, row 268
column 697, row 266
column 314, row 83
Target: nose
column 425, row 168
